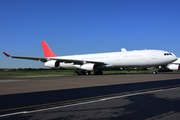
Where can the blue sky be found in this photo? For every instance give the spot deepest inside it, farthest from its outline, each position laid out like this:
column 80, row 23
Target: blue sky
column 86, row 26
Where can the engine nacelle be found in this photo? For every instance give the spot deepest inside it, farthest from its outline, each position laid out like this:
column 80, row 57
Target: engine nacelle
column 173, row 67
column 88, row 67
column 52, row 63
column 67, row 65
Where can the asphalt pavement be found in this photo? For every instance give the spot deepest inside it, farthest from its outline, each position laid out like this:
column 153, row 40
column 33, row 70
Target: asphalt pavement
column 122, row 96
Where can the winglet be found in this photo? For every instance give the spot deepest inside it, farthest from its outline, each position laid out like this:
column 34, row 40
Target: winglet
column 7, row 54
column 47, row 51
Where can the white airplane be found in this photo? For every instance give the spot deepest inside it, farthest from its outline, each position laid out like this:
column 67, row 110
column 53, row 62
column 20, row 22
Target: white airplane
column 98, row 62
column 175, row 65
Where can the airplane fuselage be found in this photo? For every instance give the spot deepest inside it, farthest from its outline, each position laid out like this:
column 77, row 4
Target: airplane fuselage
column 140, row 58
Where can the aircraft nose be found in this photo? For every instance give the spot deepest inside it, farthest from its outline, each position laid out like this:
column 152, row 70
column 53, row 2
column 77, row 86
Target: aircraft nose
column 174, row 57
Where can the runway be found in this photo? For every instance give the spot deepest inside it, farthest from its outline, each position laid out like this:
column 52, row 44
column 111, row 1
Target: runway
column 122, row 96
column 39, row 84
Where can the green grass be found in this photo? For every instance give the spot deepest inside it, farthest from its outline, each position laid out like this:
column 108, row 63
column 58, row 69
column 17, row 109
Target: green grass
column 126, row 72
column 23, row 73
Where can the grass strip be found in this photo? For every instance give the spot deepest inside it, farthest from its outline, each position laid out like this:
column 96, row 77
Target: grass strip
column 24, row 73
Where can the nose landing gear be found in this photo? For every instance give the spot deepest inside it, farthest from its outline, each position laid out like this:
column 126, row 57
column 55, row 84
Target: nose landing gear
column 154, row 71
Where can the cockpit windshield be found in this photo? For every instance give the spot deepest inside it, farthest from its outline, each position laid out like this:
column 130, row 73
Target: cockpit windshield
column 167, row 54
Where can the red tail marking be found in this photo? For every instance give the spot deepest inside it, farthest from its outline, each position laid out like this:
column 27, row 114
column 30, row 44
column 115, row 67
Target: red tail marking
column 47, row 51
column 7, row 54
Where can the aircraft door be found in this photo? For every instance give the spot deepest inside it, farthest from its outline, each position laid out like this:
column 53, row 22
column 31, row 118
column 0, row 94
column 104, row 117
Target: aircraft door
column 154, row 55
column 118, row 57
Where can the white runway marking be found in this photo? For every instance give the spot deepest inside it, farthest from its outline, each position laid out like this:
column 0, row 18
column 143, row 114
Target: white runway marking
column 89, row 102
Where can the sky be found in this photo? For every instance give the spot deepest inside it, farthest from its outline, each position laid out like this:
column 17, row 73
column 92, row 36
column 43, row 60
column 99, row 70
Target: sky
column 85, row 26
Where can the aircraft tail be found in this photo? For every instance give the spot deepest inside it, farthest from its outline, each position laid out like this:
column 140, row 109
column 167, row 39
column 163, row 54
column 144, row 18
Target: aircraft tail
column 47, row 51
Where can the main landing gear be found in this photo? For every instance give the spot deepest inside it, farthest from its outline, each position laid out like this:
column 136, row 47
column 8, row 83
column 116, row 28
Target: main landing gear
column 82, row 72
column 99, row 72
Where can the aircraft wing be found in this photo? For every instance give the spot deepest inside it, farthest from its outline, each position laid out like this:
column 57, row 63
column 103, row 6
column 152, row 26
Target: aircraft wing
column 77, row 61
column 28, row 58
column 58, row 59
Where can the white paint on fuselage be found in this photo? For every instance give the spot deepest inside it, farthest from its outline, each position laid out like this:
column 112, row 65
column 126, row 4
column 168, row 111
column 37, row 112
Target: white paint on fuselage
column 140, row 58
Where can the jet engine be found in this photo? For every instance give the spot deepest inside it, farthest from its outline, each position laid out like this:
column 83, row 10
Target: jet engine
column 173, row 67
column 52, row 64
column 87, row 66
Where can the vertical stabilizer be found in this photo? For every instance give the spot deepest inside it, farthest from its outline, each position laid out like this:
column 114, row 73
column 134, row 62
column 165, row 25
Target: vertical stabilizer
column 47, row 51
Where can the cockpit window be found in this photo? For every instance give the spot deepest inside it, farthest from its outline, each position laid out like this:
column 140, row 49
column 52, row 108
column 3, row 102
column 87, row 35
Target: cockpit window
column 167, row 53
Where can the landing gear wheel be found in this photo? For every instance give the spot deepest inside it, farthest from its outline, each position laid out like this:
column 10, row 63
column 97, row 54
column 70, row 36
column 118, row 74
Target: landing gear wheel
column 88, row 73
column 154, row 72
column 77, row 73
column 81, row 73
